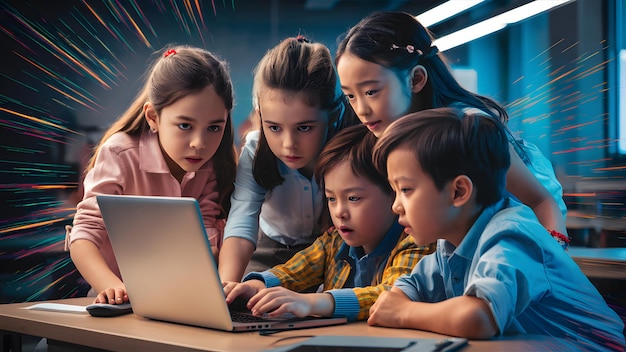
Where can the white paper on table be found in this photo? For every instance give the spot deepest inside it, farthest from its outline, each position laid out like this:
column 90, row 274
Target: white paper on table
column 58, row 307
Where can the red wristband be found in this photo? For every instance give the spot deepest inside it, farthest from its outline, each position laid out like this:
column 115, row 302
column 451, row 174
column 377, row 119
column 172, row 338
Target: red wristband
column 559, row 236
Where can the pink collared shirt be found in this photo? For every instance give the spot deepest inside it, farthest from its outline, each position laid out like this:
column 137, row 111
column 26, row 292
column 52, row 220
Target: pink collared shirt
column 135, row 166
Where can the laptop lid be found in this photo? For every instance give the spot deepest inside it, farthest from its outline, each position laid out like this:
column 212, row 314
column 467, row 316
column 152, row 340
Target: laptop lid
column 167, row 265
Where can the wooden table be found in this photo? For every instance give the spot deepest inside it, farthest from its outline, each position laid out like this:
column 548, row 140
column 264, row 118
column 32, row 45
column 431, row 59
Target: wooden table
column 80, row 331
column 604, row 263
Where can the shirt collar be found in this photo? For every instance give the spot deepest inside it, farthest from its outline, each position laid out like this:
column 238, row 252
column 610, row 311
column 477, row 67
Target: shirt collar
column 150, row 156
column 469, row 243
column 384, row 247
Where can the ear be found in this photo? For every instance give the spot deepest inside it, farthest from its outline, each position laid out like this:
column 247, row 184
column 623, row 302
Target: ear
column 419, row 77
column 462, row 190
column 151, row 116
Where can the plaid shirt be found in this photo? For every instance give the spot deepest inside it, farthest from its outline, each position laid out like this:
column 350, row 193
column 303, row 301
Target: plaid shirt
column 319, row 264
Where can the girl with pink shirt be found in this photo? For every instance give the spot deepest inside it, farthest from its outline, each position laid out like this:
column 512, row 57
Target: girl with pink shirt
column 175, row 139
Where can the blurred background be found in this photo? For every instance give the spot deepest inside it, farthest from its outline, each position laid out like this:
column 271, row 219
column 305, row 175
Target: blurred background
column 69, row 68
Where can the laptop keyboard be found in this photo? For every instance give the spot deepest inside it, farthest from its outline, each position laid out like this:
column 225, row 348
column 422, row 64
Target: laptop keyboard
column 241, row 314
column 243, row 317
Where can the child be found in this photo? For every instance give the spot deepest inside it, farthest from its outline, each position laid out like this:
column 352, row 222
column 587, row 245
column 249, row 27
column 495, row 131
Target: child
column 388, row 68
column 357, row 259
column 494, row 272
column 276, row 205
column 176, row 139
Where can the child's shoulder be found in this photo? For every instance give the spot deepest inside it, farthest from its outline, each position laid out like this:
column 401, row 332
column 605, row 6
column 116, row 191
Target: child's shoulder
column 332, row 234
column 250, row 141
column 515, row 218
column 120, row 142
column 252, row 137
column 331, row 237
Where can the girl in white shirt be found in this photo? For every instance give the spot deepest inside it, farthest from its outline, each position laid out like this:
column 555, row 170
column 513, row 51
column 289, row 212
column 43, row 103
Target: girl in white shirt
column 277, row 208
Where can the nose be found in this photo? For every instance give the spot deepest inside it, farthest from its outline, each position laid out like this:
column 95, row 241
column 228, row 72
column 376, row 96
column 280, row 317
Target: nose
column 198, row 141
column 341, row 210
column 290, row 140
column 360, row 106
column 396, row 207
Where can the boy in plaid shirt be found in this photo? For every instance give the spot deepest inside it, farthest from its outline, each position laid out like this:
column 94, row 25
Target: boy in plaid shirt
column 356, row 259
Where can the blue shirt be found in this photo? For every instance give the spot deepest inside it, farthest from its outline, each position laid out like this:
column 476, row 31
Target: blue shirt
column 542, row 169
column 287, row 214
column 367, row 265
column 530, row 283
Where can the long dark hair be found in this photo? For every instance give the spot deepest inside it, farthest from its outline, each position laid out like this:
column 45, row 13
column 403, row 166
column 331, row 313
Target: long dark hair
column 305, row 69
column 188, row 71
column 382, row 38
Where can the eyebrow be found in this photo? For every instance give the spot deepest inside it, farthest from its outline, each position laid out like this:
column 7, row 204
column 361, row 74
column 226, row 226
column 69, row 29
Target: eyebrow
column 187, row 118
column 364, row 83
column 353, row 189
column 307, row 122
column 401, row 178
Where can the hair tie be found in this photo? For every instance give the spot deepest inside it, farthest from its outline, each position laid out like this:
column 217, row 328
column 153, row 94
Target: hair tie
column 301, row 39
column 169, row 52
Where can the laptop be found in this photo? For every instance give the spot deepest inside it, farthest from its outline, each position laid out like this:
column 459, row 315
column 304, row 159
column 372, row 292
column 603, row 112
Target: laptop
column 166, row 263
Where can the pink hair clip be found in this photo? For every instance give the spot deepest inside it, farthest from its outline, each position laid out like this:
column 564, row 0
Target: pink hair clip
column 409, row 48
column 169, row 52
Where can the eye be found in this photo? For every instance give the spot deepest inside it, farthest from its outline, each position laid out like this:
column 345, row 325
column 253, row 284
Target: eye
column 371, row 92
column 214, row 128
column 330, row 199
column 184, row 126
column 404, row 190
column 349, row 96
column 354, row 198
column 273, row 128
column 304, row 128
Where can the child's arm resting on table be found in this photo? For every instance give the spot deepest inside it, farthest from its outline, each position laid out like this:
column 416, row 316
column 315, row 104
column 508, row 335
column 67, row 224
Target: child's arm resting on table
column 464, row 316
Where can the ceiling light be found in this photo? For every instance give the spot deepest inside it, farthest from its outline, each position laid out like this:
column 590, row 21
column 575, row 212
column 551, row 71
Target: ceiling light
column 496, row 23
column 446, row 10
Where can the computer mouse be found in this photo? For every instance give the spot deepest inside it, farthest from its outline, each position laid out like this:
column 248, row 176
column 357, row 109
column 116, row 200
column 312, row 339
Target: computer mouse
column 108, row 310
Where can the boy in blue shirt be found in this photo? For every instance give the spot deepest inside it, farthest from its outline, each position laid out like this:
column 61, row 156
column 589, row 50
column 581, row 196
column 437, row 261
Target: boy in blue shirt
column 496, row 270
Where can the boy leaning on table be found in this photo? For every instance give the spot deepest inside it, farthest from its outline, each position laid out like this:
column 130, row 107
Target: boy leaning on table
column 495, row 271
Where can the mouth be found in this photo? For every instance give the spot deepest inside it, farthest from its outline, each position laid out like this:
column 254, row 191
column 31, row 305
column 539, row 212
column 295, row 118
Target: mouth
column 292, row 159
column 345, row 230
column 193, row 160
column 372, row 125
column 407, row 228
